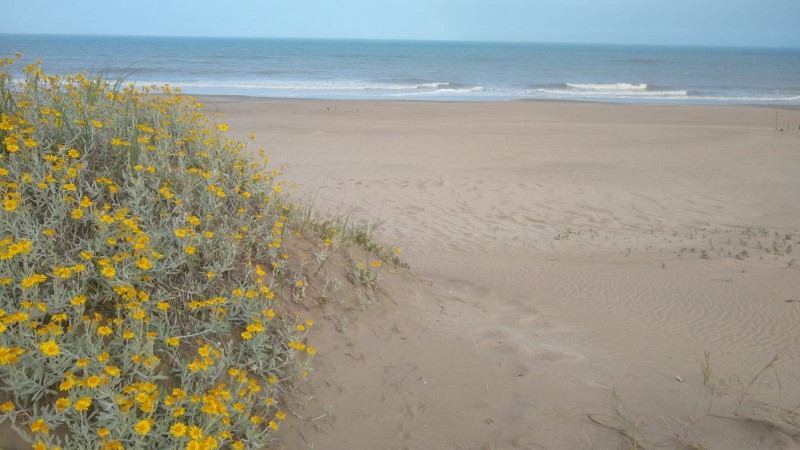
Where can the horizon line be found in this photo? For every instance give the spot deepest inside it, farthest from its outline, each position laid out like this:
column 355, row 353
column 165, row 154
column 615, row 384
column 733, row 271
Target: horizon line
column 367, row 39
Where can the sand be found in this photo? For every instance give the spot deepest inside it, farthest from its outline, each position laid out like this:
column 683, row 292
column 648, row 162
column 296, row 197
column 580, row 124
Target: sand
column 571, row 264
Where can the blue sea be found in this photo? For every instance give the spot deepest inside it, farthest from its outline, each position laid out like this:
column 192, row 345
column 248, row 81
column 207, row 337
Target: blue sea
column 418, row 70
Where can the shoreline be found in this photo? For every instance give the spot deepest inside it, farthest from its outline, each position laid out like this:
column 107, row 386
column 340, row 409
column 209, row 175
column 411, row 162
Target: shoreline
column 234, row 97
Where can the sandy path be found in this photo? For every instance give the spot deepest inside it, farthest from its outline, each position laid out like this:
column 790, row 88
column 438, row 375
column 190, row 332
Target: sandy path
column 562, row 252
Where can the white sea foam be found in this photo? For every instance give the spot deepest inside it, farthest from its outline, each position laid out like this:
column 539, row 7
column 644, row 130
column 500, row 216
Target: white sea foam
column 680, row 95
column 616, row 90
column 414, row 88
column 291, row 85
column 449, row 91
column 609, row 86
column 749, row 99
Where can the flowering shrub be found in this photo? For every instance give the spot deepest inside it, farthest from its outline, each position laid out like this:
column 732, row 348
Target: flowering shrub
column 140, row 255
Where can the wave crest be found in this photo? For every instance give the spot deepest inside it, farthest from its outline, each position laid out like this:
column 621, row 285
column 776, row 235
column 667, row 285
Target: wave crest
column 609, row 86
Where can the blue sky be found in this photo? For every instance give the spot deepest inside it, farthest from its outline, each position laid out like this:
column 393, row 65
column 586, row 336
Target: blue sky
column 698, row 22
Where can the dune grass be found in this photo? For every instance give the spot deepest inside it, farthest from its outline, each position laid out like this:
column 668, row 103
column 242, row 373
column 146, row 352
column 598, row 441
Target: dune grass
column 142, row 268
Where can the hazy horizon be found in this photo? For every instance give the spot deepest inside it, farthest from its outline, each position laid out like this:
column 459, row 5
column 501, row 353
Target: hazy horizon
column 356, row 39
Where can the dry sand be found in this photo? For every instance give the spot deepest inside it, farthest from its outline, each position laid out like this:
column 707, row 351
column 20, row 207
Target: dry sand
column 571, row 263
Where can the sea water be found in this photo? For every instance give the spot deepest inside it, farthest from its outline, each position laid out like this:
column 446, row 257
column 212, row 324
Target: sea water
column 419, row 70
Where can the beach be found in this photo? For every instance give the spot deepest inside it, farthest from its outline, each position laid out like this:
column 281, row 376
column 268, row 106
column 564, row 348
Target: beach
column 583, row 275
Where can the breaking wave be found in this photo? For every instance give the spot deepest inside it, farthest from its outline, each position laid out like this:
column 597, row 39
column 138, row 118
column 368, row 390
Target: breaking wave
column 606, row 90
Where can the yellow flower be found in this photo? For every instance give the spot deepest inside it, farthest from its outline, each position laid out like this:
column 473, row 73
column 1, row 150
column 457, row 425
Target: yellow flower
column 172, row 341
column 178, row 429
column 49, row 348
column 83, row 404
column 7, row 407
column 33, row 280
column 39, row 426
column 297, row 345
column 104, row 330
column 144, row 263
column 142, row 427
column 189, row 250
column 108, row 272
column 113, row 371
column 114, row 445
column 195, row 432
column 280, row 415
column 93, row 381
column 62, row 403
column 67, row 384
column 62, row 272
column 103, row 432
column 77, row 213
column 273, row 425
column 10, row 204
column 255, row 419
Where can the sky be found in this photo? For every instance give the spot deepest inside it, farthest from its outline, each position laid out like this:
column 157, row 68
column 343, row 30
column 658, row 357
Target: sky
column 774, row 23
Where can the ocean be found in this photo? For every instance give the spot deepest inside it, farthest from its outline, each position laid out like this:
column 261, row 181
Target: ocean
column 418, row 70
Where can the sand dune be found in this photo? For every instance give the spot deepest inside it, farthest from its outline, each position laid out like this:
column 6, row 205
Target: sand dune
column 565, row 258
